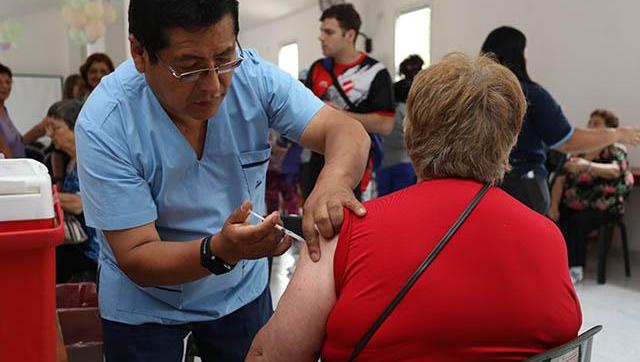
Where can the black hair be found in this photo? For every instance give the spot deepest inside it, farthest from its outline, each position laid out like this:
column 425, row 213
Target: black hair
column 5, row 70
column 68, row 110
column 149, row 20
column 411, row 65
column 346, row 15
column 507, row 45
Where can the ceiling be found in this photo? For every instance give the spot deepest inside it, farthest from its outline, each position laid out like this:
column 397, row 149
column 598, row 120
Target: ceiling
column 252, row 12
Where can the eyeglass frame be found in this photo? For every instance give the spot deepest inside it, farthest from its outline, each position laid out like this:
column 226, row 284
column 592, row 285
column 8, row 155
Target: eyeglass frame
column 198, row 73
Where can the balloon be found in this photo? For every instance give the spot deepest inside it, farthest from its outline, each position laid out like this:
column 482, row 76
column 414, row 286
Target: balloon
column 94, row 10
column 95, row 30
column 109, row 13
column 78, row 36
column 74, row 18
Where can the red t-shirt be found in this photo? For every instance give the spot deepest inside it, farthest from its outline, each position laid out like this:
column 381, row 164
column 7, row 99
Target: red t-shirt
column 499, row 291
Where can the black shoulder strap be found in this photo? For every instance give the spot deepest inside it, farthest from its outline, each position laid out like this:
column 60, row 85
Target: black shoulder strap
column 421, row 269
column 327, row 63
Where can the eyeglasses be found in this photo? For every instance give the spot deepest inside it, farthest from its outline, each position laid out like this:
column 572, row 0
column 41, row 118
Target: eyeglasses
column 194, row 75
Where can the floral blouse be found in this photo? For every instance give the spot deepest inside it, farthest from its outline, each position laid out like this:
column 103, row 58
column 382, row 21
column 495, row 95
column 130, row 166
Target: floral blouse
column 584, row 191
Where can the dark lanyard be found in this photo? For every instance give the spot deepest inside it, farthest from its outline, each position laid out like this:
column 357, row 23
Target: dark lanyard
column 421, row 269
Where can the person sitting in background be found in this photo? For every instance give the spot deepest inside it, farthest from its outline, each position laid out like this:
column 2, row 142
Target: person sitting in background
column 94, row 68
column 12, row 144
column 476, row 302
column 74, row 262
column 281, row 175
column 396, row 171
column 545, row 126
column 74, row 87
column 590, row 190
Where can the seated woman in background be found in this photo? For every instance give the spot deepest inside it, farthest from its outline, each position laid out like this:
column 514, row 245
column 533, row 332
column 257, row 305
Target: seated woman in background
column 590, row 190
column 74, row 262
column 74, row 87
column 12, row 143
column 477, row 301
column 94, row 68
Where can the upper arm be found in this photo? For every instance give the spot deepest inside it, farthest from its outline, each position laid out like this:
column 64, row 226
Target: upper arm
column 314, row 135
column 123, row 241
column 297, row 328
column 4, row 148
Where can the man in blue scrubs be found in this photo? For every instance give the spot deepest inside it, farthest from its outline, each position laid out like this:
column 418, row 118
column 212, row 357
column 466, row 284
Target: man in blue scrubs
column 173, row 151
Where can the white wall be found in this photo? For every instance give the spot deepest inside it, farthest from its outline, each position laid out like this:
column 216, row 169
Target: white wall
column 585, row 52
column 44, row 47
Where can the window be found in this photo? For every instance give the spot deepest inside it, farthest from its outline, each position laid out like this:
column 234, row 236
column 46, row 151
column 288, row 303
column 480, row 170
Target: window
column 288, row 59
column 413, row 36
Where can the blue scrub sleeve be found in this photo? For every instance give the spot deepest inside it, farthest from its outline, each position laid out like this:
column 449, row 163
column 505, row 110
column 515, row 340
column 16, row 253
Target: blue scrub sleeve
column 114, row 195
column 290, row 106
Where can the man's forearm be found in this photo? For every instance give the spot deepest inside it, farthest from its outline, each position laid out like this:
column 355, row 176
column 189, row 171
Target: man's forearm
column 346, row 151
column 374, row 122
column 164, row 263
column 588, row 140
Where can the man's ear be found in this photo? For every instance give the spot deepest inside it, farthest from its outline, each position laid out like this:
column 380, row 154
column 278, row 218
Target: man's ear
column 350, row 35
column 137, row 53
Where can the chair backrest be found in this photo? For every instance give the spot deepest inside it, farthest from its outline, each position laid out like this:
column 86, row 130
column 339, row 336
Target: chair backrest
column 576, row 350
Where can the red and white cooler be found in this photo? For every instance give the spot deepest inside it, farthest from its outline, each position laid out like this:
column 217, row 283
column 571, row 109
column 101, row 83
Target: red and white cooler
column 31, row 226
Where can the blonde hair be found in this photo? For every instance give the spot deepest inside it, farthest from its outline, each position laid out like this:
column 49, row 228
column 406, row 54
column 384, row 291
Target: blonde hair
column 463, row 117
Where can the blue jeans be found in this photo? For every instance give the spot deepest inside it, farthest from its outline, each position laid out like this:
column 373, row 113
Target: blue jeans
column 394, row 178
column 224, row 339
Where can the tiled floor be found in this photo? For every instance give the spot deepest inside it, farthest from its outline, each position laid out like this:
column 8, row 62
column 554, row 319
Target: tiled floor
column 615, row 305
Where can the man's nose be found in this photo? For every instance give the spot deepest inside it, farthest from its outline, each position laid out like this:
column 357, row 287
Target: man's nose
column 210, row 81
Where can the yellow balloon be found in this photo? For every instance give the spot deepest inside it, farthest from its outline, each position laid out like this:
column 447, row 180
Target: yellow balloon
column 95, row 30
column 94, row 10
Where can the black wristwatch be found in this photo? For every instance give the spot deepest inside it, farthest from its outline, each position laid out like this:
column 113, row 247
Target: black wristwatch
column 215, row 265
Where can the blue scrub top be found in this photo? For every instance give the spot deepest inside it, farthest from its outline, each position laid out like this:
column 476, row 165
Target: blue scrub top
column 545, row 126
column 135, row 167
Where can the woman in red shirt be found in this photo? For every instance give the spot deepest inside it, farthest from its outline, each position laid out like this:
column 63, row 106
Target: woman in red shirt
column 498, row 291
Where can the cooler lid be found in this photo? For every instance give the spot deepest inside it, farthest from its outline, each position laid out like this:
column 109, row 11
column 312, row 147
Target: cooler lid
column 21, row 176
column 25, row 190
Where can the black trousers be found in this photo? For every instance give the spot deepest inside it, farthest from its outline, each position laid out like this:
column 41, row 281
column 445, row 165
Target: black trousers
column 222, row 340
column 531, row 191
column 575, row 226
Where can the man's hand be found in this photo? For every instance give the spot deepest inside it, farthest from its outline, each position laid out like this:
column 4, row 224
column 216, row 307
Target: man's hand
column 629, row 136
column 577, row 165
column 240, row 240
column 323, row 212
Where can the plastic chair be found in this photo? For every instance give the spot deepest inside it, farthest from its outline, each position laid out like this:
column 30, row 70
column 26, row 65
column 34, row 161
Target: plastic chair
column 605, row 235
column 576, row 350
column 77, row 307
